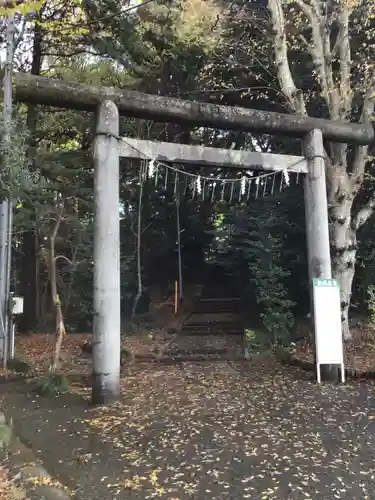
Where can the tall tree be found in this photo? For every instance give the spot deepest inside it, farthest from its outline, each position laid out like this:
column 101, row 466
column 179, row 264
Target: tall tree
column 30, row 274
column 45, row 30
column 334, row 41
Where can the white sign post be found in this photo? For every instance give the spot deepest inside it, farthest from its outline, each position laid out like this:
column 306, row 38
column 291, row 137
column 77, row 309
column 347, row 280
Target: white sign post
column 327, row 320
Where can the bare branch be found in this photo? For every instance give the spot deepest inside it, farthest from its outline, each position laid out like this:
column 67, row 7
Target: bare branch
column 64, row 258
column 328, row 58
column 345, row 62
column 60, row 327
column 284, row 74
column 321, row 54
column 139, row 235
column 57, row 225
column 359, row 162
column 368, row 103
column 21, row 33
column 365, row 213
column 73, row 53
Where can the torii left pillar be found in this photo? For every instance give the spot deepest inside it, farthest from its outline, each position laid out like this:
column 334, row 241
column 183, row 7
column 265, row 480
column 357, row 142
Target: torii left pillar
column 106, row 340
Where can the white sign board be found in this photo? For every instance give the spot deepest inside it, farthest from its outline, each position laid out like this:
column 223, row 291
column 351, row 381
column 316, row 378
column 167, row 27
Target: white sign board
column 17, row 306
column 327, row 319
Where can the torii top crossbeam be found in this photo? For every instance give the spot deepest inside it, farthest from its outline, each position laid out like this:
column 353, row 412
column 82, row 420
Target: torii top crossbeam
column 63, row 94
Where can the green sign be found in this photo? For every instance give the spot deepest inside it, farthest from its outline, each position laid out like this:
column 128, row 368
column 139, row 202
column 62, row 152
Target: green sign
column 325, row 282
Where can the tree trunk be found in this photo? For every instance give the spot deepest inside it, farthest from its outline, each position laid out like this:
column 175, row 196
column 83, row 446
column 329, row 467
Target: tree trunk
column 139, row 233
column 28, row 282
column 330, row 48
column 346, row 277
column 344, row 249
column 29, row 277
column 60, row 333
column 60, row 327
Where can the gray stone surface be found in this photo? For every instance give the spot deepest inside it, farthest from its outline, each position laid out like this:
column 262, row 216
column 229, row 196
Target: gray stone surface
column 25, row 469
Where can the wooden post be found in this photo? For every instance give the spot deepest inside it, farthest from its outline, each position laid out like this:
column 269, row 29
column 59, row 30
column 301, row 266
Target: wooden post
column 179, row 256
column 175, row 297
column 106, row 329
column 317, row 229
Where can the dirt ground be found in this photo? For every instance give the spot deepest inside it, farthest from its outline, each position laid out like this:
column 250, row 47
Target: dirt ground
column 218, row 430
column 8, row 489
column 359, row 352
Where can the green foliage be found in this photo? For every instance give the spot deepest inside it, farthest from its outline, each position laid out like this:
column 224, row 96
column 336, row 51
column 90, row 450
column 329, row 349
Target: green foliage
column 187, row 48
column 25, row 9
column 160, row 48
column 364, row 282
column 290, row 348
column 271, row 293
column 250, row 243
column 254, row 342
column 52, row 384
column 16, row 178
column 127, row 356
column 5, row 435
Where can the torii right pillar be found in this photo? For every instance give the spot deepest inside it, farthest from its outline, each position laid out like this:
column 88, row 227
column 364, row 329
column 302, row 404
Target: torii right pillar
column 317, row 229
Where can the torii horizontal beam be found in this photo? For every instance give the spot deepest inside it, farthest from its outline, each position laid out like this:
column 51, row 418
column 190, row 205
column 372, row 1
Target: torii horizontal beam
column 63, row 94
column 209, row 157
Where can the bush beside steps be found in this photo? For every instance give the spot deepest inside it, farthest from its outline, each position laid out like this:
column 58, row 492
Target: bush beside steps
column 52, row 384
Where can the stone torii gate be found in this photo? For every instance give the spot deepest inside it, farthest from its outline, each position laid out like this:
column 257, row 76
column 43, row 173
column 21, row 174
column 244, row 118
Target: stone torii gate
column 109, row 103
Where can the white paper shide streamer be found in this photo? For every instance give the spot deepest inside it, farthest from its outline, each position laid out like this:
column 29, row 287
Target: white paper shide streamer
column 286, row 177
column 151, row 168
column 236, row 189
column 206, row 186
column 243, row 185
column 199, row 184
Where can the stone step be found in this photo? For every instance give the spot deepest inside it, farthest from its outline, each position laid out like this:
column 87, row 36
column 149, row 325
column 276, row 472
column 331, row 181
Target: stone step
column 212, row 318
column 217, row 311
column 194, row 342
column 218, row 294
column 197, row 358
column 220, row 299
column 219, row 308
column 206, row 348
column 191, row 350
column 203, row 330
column 222, row 327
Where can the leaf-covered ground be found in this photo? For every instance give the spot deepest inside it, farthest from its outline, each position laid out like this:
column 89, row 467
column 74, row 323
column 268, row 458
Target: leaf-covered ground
column 359, row 352
column 37, row 349
column 208, row 431
column 8, row 489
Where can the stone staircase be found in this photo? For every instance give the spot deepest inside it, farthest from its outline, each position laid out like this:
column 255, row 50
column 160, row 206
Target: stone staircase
column 213, row 331
column 217, row 311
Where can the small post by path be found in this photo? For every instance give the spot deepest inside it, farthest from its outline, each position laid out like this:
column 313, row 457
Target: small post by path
column 317, row 229
column 106, row 340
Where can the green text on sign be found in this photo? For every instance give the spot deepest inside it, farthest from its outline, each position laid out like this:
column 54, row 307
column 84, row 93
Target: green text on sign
column 322, row 282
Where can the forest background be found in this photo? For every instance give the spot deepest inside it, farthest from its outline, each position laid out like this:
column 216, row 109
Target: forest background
column 308, row 57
